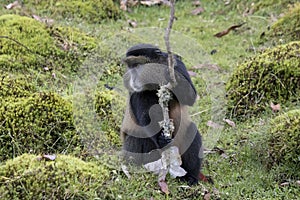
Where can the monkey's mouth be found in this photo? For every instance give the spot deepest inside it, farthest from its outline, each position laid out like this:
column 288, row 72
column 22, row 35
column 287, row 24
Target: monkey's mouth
column 136, row 88
column 145, row 87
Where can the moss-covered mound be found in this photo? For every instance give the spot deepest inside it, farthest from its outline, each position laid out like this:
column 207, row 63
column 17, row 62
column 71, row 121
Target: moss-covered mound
column 27, row 44
column 272, row 76
column 40, row 123
column 27, row 177
column 284, row 142
column 93, row 11
column 14, row 86
column 287, row 28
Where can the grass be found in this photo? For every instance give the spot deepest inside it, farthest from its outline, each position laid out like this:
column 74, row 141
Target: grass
column 240, row 172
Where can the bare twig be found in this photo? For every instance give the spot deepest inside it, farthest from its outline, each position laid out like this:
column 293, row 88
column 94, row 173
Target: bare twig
column 171, row 60
column 19, row 43
column 163, row 93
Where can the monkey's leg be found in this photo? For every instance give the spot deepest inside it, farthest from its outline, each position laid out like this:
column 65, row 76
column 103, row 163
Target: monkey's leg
column 191, row 160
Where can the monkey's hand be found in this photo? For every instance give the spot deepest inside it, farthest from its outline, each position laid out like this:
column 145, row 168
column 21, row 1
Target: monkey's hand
column 163, row 141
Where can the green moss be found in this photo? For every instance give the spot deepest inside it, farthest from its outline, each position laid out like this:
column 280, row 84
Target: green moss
column 40, row 123
column 284, row 142
column 94, row 11
column 287, row 28
column 15, row 86
column 272, row 76
column 261, row 5
column 110, row 106
column 67, row 177
column 28, row 44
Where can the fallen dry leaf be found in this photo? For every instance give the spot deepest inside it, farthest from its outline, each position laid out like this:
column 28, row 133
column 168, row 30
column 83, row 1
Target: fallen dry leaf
column 191, row 73
column 124, row 4
column 221, row 152
column 218, row 150
column 196, row 3
column 225, row 32
column 125, row 170
column 43, row 20
column 213, row 124
column 164, row 187
column 206, row 195
column 47, row 157
column 197, row 11
column 284, row 184
column 298, row 183
column 155, row 2
column 12, row 5
column 226, row 3
column 132, row 23
column 276, row 107
column 202, row 177
column 229, row 122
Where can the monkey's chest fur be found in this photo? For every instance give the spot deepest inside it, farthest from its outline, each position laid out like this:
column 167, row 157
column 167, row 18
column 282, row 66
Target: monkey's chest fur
column 141, row 132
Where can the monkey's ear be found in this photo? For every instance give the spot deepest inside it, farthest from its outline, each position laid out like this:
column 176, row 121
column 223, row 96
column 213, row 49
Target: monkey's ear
column 133, row 61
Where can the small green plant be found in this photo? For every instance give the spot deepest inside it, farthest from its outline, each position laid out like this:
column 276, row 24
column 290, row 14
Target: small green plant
column 284, row 143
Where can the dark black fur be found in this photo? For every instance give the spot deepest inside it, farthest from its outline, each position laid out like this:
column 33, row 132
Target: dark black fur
column 140, row 103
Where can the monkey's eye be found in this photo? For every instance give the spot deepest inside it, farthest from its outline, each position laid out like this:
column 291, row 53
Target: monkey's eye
column 133, row 65
column 157, row 51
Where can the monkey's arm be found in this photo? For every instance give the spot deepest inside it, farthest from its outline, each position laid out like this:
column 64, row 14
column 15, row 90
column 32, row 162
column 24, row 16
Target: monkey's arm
column 184, row 90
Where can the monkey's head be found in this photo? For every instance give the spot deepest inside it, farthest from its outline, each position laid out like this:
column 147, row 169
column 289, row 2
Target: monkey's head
column 144, row 53
column 146, row 70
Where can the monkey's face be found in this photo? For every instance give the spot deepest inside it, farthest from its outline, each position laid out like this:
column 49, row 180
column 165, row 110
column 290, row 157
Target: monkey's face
column 148, row 76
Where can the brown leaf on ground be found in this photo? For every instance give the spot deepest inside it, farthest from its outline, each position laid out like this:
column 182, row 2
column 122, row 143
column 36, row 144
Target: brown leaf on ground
column 274, row 107
column 155, row 2
column 164, row 187
column 47, row 157
column 197, row 11
column 284, row 184
column 206, row 179
column 132, row 23
column 13, row 5
column 125, row 4
column 229, row 122
column 45, row 20
column 225, row 32
column 206, row 195
column 191, row 73
column 196, row 3
column 220, row 151
column 125, row 170
column 213, row 124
